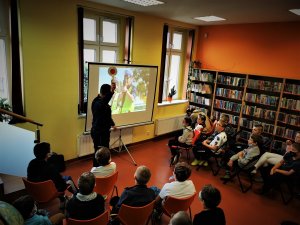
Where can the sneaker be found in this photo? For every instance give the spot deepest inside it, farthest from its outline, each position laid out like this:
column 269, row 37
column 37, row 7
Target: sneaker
column 253, row 171
column 201, row 162
column 195, row 162
column 205, row 164
column 226, row 177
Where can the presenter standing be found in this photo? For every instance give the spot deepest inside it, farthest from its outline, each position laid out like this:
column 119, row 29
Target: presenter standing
column 102, row 120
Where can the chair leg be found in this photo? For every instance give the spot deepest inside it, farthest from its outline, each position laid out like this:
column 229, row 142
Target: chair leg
column 214, row 172
column 286, row 201
column 190, row 212
column 243, row 188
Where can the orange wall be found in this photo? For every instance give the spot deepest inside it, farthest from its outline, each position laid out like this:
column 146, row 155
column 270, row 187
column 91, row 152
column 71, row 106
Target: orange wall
column 271, row 49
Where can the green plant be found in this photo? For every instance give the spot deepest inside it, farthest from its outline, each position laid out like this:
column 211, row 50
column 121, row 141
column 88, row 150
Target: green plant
column 4, row 105
column 172, row 92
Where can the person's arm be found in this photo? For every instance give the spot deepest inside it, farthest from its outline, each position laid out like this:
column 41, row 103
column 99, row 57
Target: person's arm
column 213, row 148
column 276, row 166
column 158, row 201
column 184, row 136
column 284, row 172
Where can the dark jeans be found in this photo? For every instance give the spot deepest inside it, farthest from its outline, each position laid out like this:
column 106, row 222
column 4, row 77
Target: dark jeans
column 174, row 144
column 100, row 138
column 271, row 181
column 202, row 152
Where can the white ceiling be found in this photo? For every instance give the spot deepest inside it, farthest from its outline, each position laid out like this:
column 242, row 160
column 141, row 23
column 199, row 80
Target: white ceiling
column 234, row 11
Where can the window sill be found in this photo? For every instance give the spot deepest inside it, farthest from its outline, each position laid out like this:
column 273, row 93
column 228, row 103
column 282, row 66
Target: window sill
column 174, row 102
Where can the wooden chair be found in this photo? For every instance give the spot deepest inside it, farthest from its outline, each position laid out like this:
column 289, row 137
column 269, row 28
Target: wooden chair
column 103, row 219
column 173, row 205
column 129, row 215
column 42, row 192
column 105, row 185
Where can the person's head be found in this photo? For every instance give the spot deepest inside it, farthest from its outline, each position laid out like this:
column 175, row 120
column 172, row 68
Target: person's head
column 187, row 121
column 103, row 156
column 128, row 77
column 42, row 150
column 86, row 183
column 201, row 119
column 26, row 206
column 224, row 119
column 257, row 129
column 220, row 126
column 297, row 137
column 180, row 218
column 210, row 196
column 105, row 89
column 254, row 140
column 142, row 175
column 296, row 150
column 182, row 171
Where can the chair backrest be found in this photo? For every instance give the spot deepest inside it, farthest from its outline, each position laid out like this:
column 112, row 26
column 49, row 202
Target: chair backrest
column 103, row 219
column 104, row 185
column 173, row 205
column 42, row 192
column 129, row 215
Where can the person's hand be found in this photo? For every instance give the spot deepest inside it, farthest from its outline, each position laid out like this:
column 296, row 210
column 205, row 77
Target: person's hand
column 230, row 163
column 113, row 86
column 272, row 171
column 288, row 142
column 114, row 128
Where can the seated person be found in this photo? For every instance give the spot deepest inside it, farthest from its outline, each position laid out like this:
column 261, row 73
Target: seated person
column 269, row 158
column 204, row 150
column 245, row 156
column 212, row 214
column 106, row 167
column 180, row 188
column 40, row 170
column 289, row 166
column 86, row 204
column 32, row 216
column 195, row 115
column 180, row 218
column 184, row 140
column 137, row 195
column 9, row 215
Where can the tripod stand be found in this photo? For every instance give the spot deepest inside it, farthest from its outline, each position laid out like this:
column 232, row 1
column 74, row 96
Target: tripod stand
column 121, row 145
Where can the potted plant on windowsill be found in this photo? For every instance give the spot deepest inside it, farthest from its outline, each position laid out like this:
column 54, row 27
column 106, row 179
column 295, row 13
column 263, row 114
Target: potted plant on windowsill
column 4, row 105
column 171, row 94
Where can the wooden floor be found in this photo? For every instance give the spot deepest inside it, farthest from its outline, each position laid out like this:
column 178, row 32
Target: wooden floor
column 239, row 208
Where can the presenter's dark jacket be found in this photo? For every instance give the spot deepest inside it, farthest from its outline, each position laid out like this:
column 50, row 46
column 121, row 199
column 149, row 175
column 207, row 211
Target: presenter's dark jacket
column 102, row 120
column 138, row 195
column 40, row 170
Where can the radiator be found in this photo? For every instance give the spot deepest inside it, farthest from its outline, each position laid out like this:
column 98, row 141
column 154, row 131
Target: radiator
column 167, row 125
column 84, row 145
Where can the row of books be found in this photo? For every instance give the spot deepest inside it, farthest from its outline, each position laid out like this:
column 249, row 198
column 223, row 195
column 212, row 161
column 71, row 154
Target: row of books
column 279, row 146
column 290, row 103
column 232, row 119
column 267, row 128
column 204, row 110
column 202, row 88
column 245, row 134
column 227, row 105
column 202, row 76
column 262, row 99
column 229, row 80
column 292, row 88
column 285, row 132
column 199, row 99
column 289, row 119
column 228, row 93
column 265, row 85
column 259, row 112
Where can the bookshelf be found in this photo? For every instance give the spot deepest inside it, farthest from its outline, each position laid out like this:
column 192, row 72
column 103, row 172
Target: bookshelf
column 249, row 99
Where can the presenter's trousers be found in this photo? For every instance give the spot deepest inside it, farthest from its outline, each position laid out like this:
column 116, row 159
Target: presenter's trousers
column 100, row 139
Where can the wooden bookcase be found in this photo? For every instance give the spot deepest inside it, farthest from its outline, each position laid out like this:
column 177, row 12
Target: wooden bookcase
column 249, row 99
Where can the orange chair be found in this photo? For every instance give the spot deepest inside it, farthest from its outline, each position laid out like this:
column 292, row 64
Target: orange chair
column 42, row 192
column 104, row 185
column 173, row 205
column 103, row 219
column 129, row 215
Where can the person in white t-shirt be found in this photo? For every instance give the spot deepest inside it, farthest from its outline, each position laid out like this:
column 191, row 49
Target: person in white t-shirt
column 106, row 167
column 180, row 188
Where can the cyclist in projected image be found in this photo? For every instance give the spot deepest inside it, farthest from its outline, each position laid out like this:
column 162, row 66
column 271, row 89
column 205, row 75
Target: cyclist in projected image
column 126, row 98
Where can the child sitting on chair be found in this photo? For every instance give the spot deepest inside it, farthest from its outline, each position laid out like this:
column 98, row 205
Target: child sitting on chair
column 106, row 166
column 245, row 156
column 184, row 140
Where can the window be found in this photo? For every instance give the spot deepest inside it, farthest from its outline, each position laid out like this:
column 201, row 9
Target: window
column 104, row 40
column 174, row 62
column 4, row 50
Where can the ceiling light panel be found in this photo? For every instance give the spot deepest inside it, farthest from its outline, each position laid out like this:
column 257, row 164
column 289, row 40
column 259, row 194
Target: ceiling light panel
column 145, row 2
column 209, row 18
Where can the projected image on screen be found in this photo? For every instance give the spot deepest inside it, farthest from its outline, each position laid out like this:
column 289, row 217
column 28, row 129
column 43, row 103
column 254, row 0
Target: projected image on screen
column 132, row 88
column 133, row 100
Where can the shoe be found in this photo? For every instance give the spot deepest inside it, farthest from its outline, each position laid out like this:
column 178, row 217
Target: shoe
column 201, row 162
column 253, row 171
column 195, row 162
column 205, row 164
column 226, row 177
